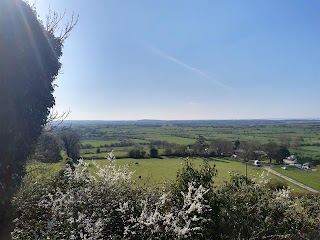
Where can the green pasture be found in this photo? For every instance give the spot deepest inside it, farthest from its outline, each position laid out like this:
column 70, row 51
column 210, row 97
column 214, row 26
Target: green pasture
column 187, row 134
column 98, row 143
column 119, row 152
column 94, row 150
column 38, row 170
column 157, row 171
column 140, row 141
column 178, row 140
column 307, row 177
column 310, row 149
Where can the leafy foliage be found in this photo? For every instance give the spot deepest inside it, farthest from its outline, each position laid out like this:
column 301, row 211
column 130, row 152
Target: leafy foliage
column 189, row 173
column 47, row 148
column 71, row 143
column 136, row 153
column 154, row 153
column 249, row 211
column 29, row 63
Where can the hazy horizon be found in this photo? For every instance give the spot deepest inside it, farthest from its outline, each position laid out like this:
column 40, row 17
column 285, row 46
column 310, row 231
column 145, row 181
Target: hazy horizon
column 243, row 119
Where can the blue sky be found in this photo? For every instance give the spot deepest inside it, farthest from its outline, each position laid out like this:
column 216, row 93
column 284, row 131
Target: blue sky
column 128, row 60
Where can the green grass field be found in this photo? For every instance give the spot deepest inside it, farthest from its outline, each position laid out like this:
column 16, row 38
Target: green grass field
column 119, row 152
column 40, row 171
column 187, row 134
column 162, row 170
column 179, row 140
column 310, row 149
column 140, row 141
column 307, row 177
column 98, row 143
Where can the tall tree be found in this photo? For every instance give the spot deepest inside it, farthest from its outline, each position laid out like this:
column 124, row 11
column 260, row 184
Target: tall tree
column 282, row 153
column 29, row 63
column 71, row 143
column 221, row 146
column 248, row 150
column 47, row 148
column 271, row 148
column 154, row 152
column 237, row 144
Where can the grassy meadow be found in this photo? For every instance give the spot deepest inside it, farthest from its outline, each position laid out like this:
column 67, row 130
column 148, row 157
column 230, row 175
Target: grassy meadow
column 188, row 133
column 158, row 171
column 307, row 177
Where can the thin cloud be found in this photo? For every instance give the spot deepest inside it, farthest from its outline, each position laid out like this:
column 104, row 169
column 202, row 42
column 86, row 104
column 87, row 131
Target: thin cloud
column 186, row 66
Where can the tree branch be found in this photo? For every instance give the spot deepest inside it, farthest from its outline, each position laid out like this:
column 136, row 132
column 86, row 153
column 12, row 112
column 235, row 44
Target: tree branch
column 53, row 22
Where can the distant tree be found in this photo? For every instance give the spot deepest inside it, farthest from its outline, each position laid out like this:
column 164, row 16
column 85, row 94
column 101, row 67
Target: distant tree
column 29, row 63
column 142, row 153
column 47, row 148
column 271, row 149
column 136, row 153
column 154, row 153
column 201, row 140
column 237, row 144
column 133, row 153
column 71, row 143
column 249, row 148
column 200, row 147
column 197, row 150
column 180, row 151
column 168, row 152
column 221, row 146
column 98, row 150
column 282, row 153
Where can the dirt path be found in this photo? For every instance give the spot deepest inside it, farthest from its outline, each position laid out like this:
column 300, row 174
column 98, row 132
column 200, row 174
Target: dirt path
column 290, row 180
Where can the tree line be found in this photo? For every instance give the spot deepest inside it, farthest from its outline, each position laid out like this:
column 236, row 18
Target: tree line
column 245, row 150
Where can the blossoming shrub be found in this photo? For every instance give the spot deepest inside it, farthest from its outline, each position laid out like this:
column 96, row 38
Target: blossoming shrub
column 77, row 204
column 250, row 210
column 104, row 203
column 200, row 177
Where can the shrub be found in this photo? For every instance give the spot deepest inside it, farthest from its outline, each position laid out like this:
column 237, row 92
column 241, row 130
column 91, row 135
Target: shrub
column 251, row 210
column 79, row 204
column 107, row 204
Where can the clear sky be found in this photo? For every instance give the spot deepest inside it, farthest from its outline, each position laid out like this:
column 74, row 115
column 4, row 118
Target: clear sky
column 149, row 59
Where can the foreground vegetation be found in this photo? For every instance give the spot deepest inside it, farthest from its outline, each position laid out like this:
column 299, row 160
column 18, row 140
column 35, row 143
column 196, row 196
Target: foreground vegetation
column 107, row 204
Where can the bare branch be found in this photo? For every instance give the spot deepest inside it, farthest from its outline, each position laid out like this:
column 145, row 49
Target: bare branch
column 55, row 119
column 65, row 33
column 53, row 22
